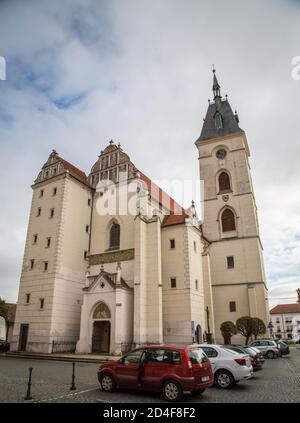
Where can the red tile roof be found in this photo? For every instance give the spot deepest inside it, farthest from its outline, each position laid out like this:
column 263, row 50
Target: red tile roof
column 74, row 171
column 166, row 201
column 286, row 308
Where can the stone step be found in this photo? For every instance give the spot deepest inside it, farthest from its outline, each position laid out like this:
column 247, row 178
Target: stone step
column 89, row 358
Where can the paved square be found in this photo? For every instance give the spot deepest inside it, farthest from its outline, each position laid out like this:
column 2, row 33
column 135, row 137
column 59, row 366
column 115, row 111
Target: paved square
column 279, row 381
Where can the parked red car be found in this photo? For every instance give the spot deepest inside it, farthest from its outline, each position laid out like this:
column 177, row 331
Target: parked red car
column 167, row 369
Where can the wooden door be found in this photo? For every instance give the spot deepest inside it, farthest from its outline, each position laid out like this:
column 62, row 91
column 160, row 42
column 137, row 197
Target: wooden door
column 23, row 337
column 101, row 337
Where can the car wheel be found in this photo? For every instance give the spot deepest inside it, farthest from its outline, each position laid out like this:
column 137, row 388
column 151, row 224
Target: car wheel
column 198, row 391
column 107, row 383
column 270, row 354
column 172, row 391
column 224, row 379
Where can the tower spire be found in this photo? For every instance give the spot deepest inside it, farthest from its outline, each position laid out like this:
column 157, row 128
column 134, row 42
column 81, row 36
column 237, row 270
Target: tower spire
column 216, row 86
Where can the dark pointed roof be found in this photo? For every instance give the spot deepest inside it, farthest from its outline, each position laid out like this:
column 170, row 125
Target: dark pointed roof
column 230, row 121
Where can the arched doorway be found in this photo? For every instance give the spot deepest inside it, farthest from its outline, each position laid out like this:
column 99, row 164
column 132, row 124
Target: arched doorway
column 101, row 329
column 199, row 338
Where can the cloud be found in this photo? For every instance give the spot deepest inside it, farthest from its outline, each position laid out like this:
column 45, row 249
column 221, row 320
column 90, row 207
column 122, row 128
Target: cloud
column 82, row 72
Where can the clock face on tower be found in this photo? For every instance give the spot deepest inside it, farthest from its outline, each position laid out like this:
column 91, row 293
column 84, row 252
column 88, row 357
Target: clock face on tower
column 221, row 154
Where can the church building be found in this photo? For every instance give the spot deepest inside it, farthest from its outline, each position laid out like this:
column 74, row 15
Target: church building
column 99, row 279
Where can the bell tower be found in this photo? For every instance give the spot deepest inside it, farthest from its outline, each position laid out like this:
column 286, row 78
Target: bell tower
column 230, row 222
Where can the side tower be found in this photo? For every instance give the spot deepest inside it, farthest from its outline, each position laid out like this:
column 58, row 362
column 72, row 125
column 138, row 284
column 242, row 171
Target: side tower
column 230, row 221
column 54, row 265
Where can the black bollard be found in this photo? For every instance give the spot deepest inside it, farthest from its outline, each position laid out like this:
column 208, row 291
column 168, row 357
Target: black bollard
column 73, row 387
column 28, row 395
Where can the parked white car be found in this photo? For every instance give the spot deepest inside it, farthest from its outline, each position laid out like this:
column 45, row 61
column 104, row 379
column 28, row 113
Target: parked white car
column 229, row 367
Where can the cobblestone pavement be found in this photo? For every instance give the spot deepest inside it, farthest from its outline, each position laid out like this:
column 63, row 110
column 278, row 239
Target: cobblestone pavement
column 279, row 381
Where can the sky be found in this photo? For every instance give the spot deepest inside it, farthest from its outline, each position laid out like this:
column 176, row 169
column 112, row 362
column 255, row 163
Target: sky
column 82, row 72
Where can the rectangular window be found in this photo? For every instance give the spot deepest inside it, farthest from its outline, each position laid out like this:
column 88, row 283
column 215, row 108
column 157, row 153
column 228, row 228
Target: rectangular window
column 48, row 242
column 87, row 228
column 45, row 266
column 42, row 302
column 172, row 244
column 51, row 213
column 230, row 262
column 196, row 285
column 27, row 298
column 31, row 264
column 39, row 211
column 232, row 306
column 41, row 193
column 54, row 191
column 173, row 282
column 35, row 238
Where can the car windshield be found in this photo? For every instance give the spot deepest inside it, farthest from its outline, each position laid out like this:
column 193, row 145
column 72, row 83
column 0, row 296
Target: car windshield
column 197, row 356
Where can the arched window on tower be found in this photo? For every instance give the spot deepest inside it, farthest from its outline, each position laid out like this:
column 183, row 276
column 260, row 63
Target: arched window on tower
column 218, row 121
column 228, row 221
column 114, row 236
column 224, row 182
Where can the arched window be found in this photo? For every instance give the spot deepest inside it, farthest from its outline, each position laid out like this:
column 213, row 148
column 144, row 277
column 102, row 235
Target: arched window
column 114, row 236
column 228, row 221
column 224, row 182
column 101, row 312
column 218, row 121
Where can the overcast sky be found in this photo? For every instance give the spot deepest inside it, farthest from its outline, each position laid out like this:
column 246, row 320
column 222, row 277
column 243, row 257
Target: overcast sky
column 82, row 72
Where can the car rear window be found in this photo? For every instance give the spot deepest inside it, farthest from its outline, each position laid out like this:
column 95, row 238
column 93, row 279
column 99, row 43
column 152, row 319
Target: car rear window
column 231, row 352
column 197, row 356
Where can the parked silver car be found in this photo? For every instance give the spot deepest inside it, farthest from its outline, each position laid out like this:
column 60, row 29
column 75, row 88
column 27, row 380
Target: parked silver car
column 267, row 347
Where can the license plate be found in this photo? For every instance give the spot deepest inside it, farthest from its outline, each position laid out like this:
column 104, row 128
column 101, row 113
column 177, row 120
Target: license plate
column 204, row 378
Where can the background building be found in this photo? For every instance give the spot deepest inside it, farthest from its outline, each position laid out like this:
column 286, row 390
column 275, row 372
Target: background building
column 286, row 320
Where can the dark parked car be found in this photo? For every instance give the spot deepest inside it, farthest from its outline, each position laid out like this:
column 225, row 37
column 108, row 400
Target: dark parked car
column 254, row 357
column 167, row 369
column 283, row 347
column 4, row 346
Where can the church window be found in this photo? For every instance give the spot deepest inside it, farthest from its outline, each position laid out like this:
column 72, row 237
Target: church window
column 195, row 246
column 54, row 170
column 54, row 191
column 89, row 202
column 218, row 121
column 27, row 298
column 228, row 221
column 41, row 193
column 31, row 264
column 39, row 210
column 45, row 266
column 51, row 213
column 114, row 236
column 224, row 182
column 196, row 284
column 101, row 312
column 48, row 242
column 85, row 254
column 232, row 306
column 35, row 238
column 230, row 262
column 172, row 244
column 46, row 174
column 42, row 302
column 87, row 228
column 221, row 154
column 173, row 282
